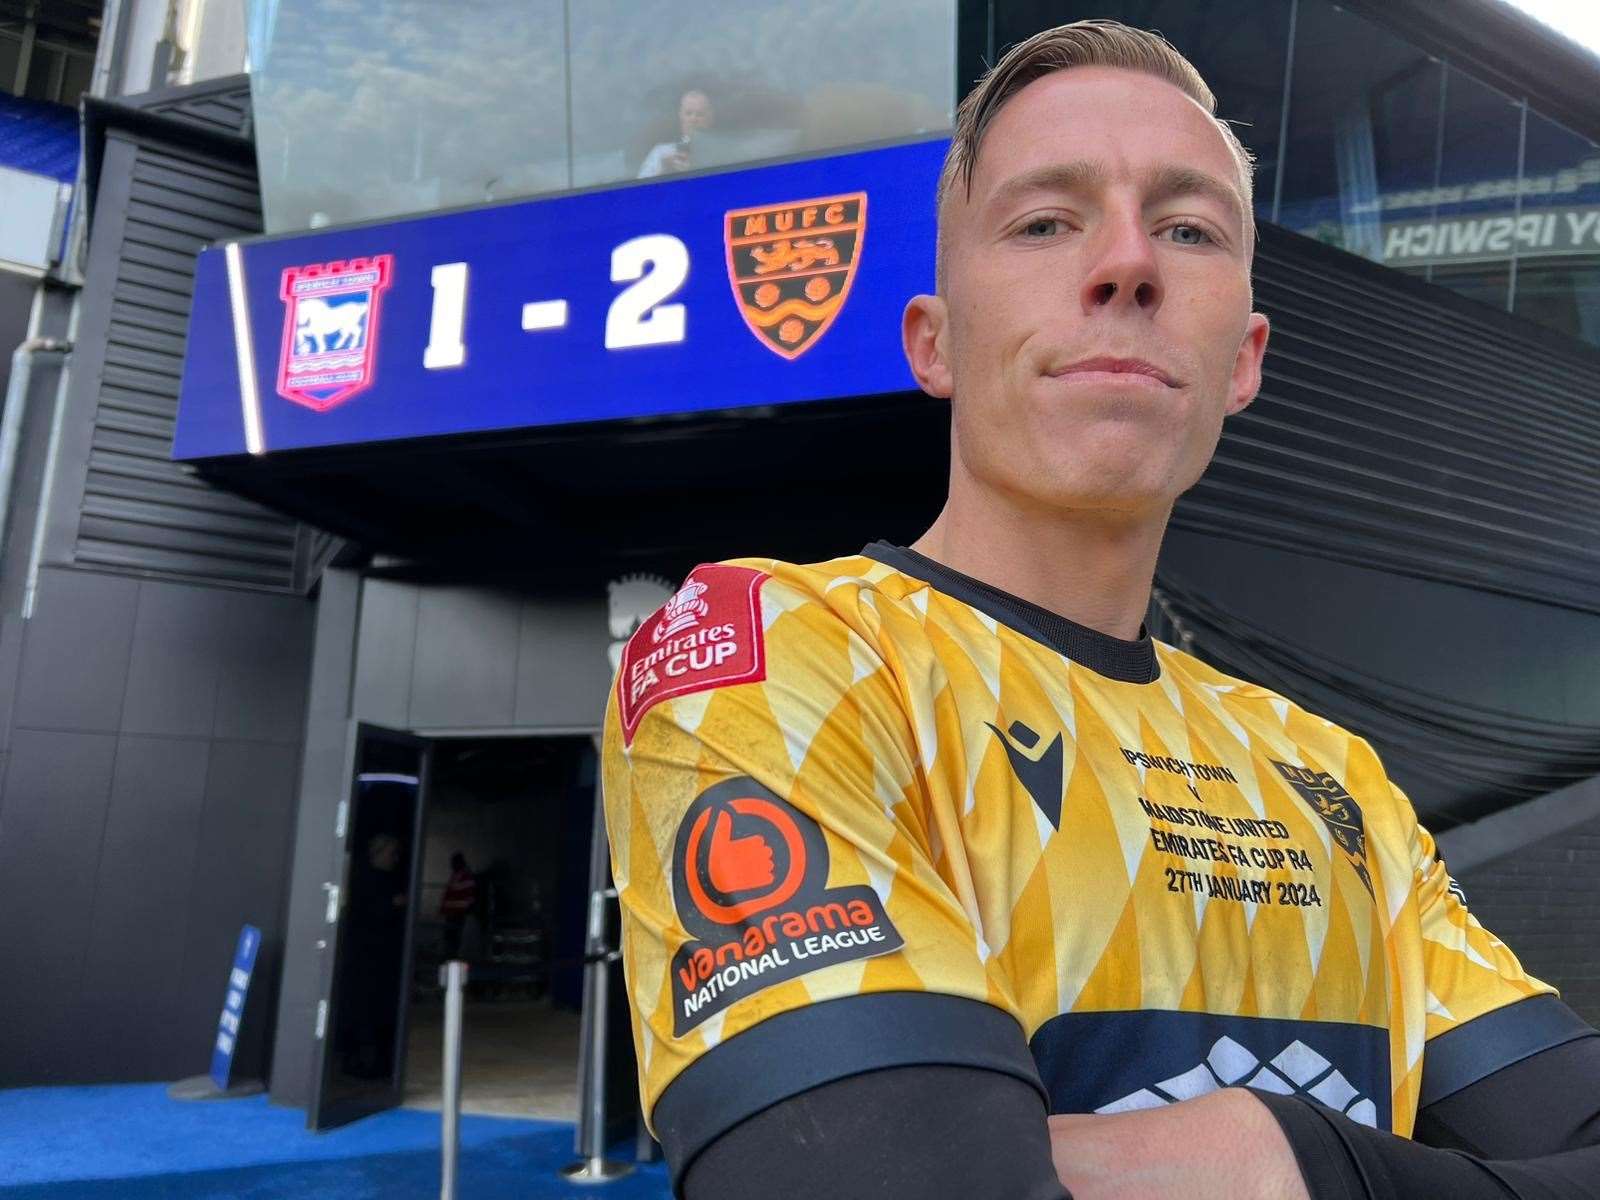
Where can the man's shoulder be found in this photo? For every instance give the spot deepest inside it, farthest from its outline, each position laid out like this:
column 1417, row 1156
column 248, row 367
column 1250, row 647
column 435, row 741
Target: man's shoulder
column 1240, row 697
column 842, row 588
column 812, row 628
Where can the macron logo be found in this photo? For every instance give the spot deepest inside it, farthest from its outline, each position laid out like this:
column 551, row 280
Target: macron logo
column 1039, row 771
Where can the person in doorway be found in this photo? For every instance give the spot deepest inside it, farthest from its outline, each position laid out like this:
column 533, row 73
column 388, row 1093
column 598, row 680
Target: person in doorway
column 695, row 113
column 459, row 902
column 939, row 877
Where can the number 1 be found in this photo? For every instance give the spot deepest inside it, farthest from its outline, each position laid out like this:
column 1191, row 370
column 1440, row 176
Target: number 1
column 445, row 348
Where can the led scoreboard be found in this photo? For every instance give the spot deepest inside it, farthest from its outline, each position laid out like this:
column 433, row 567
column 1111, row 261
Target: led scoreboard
column 769, row 285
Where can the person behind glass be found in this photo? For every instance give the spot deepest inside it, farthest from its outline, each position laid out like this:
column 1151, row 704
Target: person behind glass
column 694, row 114
column 458, row 902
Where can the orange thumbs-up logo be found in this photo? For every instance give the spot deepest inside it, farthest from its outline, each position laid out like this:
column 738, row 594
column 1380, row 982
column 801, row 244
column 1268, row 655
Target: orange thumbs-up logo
column 750, row 875
column 737, row 864
column 745, row 854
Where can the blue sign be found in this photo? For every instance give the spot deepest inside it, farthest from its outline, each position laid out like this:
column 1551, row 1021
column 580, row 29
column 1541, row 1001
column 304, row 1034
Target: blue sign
column 771, row 285
column 244, row 964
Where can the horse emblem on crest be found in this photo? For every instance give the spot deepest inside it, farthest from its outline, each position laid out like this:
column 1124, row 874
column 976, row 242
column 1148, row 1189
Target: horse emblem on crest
column 330, row 329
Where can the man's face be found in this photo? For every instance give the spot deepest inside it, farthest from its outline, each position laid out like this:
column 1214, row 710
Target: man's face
column 694, row 112
column 1104, row 222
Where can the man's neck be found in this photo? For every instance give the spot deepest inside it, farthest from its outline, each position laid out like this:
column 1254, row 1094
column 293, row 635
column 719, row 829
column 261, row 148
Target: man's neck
column 1088, row 566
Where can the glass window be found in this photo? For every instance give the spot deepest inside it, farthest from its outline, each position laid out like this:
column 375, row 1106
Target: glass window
column 660, row 88
column 1364, row 131
column 44, row 73
column 10, row 52
column 1238, row 46
column 1558, row 231
column 370, row 110
column 366, row 110
column 79, row 74
column 1472, row 226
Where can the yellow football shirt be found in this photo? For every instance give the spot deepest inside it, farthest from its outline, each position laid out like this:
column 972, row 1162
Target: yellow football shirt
column 872, row 812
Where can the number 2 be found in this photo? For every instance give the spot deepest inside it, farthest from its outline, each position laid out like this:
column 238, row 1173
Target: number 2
column 637, row 317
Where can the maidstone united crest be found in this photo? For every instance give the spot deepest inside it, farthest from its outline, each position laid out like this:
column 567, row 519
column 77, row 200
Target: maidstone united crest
column 330, row 329
column 791, row 266
column 1338, row 810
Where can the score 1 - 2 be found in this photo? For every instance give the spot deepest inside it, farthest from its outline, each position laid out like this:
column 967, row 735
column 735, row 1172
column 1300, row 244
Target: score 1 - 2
column 654, row 266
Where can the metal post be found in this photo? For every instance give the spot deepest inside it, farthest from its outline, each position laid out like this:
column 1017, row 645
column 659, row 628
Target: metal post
column 592, row 1166
column 11, row 417
column 452, row 977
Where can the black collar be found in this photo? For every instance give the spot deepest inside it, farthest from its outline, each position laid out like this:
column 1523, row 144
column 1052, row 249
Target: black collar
column 1115, row 658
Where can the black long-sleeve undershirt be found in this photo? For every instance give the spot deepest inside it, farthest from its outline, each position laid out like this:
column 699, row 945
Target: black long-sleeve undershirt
column 1530, row 1131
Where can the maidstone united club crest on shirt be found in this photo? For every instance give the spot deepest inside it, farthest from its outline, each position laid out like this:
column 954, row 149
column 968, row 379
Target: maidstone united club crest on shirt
column 330, row 329
column 791, row 266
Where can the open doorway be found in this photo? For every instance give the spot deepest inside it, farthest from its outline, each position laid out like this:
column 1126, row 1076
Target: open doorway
column 504, row 886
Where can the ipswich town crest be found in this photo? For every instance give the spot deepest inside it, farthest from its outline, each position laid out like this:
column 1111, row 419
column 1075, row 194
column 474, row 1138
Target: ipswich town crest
column 330, row 329
column 791, row 266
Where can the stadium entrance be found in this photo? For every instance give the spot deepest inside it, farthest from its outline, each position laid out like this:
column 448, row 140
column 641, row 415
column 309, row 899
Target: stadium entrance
column 504, row 885
column 475, row 848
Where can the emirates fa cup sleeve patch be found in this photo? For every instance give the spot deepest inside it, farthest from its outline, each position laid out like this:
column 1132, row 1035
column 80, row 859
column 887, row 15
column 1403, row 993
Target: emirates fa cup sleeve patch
column 749, row 881
column 707, row 635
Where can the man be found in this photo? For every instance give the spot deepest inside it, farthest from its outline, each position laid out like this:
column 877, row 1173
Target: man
column 920, row 845
column 694, row 114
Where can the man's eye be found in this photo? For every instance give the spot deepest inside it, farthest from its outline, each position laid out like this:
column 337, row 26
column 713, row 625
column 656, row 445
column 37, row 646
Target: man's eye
column 1200, row 238
column 1041, row 227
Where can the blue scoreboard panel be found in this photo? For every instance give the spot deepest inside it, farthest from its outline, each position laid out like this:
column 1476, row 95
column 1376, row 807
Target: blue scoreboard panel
column 770, row 285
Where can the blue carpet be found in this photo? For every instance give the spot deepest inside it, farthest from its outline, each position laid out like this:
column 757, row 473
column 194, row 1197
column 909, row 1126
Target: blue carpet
column 131, row 1142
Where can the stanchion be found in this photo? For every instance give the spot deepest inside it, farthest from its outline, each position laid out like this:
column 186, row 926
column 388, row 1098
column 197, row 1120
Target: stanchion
column 452, row 977
column 593, row 1166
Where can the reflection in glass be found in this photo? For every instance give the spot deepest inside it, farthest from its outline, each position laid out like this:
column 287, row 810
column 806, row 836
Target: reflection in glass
column 369, row 110
column 1238, row 46
column 663, row 88
column 1474, row 218
column 1363, row 130
column 1557, row 280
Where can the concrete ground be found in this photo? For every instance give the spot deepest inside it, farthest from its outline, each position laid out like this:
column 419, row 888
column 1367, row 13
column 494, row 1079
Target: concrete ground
column 519, row 1058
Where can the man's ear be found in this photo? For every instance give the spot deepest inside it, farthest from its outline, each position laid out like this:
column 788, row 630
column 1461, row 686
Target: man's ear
column 923, row 335
column 1246, row 380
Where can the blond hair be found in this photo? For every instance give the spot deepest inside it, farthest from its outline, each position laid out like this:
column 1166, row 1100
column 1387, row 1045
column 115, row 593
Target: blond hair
column 1091, row 43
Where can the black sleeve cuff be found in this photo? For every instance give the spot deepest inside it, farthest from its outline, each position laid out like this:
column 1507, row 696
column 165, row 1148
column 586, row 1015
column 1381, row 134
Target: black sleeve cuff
column 1326, row 1164
column 1342, row 1160
column 1464, row 1055
column 807, row 1047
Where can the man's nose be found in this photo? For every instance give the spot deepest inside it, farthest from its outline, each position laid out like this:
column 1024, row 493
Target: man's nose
column 1124, row 271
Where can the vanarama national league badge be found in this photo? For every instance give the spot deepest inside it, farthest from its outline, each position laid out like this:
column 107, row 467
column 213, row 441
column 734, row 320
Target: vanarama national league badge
column 750, row 884
column 791, row 266
column 330, row 329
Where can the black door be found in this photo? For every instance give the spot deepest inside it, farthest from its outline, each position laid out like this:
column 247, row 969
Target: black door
column 362, row 1029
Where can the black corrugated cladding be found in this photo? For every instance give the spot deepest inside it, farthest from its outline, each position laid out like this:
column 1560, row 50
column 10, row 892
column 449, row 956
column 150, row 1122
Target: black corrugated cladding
column 1417, row 476
column 1401, row 426
column 152, row 702
column 176, row 176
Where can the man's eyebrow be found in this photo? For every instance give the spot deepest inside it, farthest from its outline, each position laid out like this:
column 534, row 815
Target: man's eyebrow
column 1170, row 182
column 1086, row 175
column 1080, row 175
